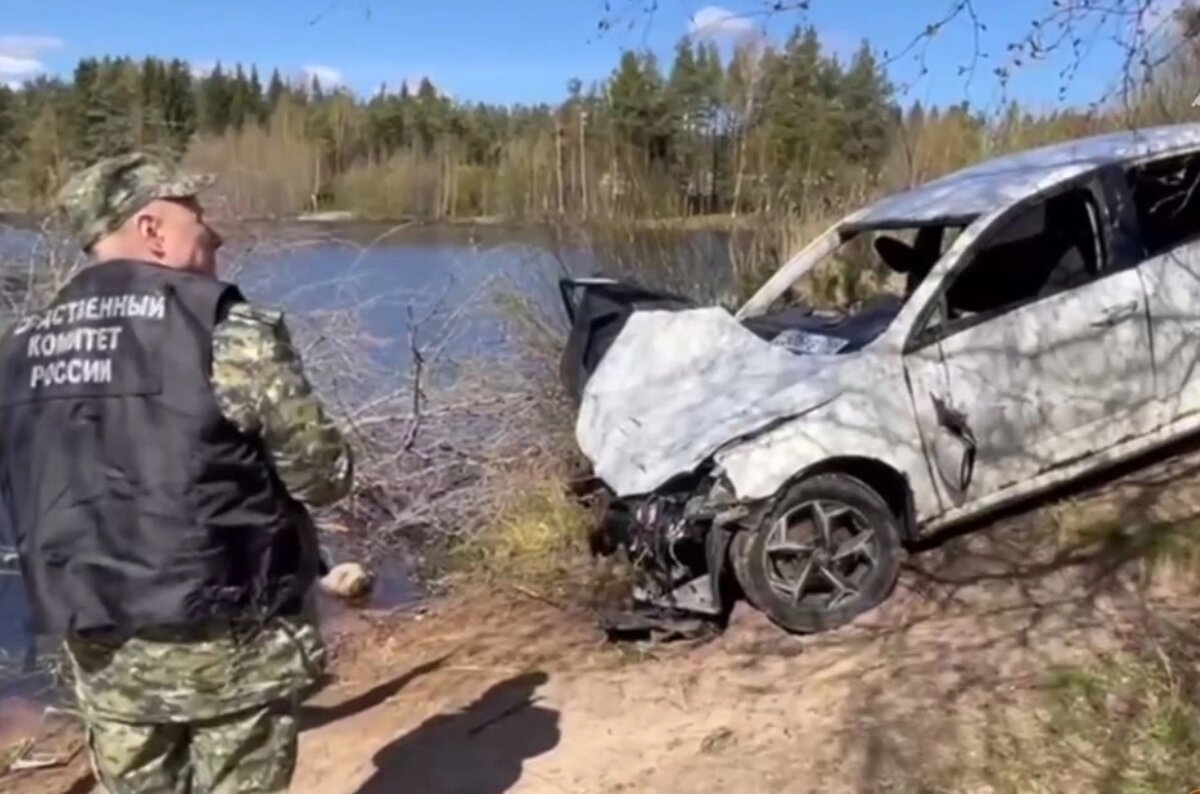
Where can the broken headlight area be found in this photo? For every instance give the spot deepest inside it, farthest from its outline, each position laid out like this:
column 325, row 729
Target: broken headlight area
column 677, row 540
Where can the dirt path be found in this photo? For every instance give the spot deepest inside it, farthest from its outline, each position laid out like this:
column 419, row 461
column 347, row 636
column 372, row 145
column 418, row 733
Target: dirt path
column 550, row 711
column 939, row 690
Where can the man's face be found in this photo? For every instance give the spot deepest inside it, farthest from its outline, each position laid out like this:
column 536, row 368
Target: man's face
column 177, row 235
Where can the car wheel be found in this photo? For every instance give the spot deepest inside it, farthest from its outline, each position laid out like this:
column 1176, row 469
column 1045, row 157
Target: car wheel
column 829, row 551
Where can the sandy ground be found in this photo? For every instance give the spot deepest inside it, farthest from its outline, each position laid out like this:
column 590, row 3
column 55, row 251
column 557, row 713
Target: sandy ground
column 492, row 691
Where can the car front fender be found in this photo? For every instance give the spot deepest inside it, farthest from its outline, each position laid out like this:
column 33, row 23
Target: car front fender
column 859, row 425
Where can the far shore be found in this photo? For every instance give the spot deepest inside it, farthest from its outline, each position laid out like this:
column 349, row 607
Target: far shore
column 708, row 223
column 711, row 222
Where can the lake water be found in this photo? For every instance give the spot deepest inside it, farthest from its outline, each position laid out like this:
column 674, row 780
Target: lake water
column 443, row 281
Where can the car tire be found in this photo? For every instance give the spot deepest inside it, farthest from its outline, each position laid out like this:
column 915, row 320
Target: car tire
column 739, row 560
column 809, row 579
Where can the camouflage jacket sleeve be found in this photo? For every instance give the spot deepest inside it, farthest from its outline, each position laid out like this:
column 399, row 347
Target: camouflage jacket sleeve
column 260, row 386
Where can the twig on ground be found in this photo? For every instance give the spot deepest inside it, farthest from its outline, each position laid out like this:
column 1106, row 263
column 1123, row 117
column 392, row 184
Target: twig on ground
column 536, row 596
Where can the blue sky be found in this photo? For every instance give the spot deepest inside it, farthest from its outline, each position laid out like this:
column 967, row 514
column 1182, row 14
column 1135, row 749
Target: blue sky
column 526, row 50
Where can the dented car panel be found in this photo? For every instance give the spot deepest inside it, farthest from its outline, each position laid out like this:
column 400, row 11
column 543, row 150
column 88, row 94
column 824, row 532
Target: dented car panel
column 1172, row 285
column 675, row 387
column 846, row 427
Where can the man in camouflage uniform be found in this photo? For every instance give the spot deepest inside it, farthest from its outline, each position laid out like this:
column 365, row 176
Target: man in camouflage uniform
column 206, row 706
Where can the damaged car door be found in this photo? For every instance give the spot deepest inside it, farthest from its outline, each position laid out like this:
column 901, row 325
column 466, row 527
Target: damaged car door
column 1034, row 352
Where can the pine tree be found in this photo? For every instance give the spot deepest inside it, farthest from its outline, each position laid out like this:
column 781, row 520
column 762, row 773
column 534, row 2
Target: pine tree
column 9, row 145
column 801, row 112
column 239, row 99
column 258, row 109
column 638, row 103
column 106, row 110
column 379, row 124
column 83, row 116
column 43, row 161
column 684, row 103
column 153, row 106
column 711, row 86
column 215, row 101
column 179, row 106
column 684, row 96
column 275, row 89
column 865, row 111
column 429, row 118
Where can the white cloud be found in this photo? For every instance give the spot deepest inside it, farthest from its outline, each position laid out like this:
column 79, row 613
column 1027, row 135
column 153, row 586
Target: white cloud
column 327, row 75
column 717, row 22
column 28, row 46
column 11, row 67
column 19, row 59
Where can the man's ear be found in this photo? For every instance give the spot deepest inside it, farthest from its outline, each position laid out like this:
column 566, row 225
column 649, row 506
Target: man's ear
column 149, row 230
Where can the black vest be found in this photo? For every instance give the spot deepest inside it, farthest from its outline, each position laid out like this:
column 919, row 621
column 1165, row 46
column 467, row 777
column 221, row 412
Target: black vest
column 132, row 501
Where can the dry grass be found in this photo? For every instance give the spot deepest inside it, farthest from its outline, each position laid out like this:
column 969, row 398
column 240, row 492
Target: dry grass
column 1128, row 723
column 1125, row 723
column 400, row 186
column 537, row 536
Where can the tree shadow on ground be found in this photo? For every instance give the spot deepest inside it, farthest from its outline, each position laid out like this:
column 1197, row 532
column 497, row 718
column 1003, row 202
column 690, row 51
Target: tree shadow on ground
column 478, row 750
column 955, row 682
column 1102, row 573
column 85, row 784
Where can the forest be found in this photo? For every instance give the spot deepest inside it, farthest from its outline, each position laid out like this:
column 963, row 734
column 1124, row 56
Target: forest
column 773, row 129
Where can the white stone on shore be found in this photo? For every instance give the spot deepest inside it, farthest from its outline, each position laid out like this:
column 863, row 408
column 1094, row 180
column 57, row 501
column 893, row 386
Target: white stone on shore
column 348, row 580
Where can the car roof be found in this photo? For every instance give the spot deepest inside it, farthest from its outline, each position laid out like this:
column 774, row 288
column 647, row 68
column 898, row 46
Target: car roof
column 999, row 182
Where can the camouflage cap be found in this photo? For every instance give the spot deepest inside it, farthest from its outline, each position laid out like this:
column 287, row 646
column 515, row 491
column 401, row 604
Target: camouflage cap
column 101, row 197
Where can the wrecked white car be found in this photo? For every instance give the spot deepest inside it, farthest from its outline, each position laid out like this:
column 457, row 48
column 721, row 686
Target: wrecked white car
column 1045, row 325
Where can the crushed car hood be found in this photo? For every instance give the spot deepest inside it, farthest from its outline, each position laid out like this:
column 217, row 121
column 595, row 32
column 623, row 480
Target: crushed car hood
column 677, row 386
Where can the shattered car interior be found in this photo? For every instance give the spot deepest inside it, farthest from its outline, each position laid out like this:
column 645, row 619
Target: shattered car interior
column 797, row 326
column 989, row 335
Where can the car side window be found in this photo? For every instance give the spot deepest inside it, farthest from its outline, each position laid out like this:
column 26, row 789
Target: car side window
column 1166, row 200
column 1049, row 247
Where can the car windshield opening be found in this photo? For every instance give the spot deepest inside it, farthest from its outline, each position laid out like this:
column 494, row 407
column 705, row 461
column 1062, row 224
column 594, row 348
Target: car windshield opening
column 851, row 296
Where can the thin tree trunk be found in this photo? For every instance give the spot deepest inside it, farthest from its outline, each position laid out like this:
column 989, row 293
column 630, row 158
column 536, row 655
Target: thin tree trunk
column 558, row 166
column 583, row 181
